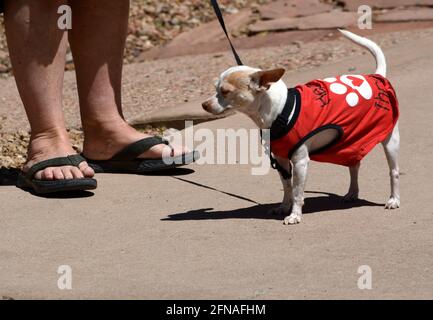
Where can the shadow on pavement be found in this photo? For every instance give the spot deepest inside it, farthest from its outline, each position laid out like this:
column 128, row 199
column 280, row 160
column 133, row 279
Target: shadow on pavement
column 324, row 202
column 214, row 189
column 8, row 176
column 170, row 172
column 64, row 195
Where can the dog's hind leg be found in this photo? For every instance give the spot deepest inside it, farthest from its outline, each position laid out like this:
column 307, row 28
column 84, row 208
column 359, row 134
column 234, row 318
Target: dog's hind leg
column 392, row 146
column 353, row 193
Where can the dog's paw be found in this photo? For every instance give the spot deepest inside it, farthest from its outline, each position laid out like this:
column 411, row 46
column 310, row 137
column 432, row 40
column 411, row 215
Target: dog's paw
column 351, row 196
column 293, row 219
column 283, row 209
column 393, row 203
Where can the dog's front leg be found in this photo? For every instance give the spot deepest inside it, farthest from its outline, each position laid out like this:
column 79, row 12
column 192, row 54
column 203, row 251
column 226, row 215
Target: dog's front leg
column 286, row 204
column 300, row 160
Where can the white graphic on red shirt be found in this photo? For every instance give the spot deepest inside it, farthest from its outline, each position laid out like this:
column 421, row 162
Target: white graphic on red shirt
column 354, row 85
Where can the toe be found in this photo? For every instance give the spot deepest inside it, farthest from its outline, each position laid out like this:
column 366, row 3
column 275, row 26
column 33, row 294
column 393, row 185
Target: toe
column 67, row 173
column 179, row 150
column 47, row 174
column 288, row 221
column 292, row 219
column 391, row 205
column 87, row 171
column 76, row 173
column 58, row 174
column 165, row 151
column 39, row 175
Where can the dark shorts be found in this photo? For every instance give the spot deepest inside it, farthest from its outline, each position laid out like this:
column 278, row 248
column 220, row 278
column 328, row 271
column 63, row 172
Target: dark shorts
column 1, row 6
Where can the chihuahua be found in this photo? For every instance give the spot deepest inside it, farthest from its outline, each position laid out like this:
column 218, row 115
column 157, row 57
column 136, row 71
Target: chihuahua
column 336, row 120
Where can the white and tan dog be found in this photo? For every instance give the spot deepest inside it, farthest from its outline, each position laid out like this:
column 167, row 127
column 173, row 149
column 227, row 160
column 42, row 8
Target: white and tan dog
column 262, row 96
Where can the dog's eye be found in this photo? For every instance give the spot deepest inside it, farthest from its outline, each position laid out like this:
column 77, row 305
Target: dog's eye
column 224, row 91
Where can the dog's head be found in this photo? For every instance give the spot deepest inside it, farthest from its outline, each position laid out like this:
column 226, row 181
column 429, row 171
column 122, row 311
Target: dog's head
column 239, row 87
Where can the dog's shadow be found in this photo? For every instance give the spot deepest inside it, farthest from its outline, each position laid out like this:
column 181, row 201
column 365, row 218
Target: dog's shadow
column 316, row 204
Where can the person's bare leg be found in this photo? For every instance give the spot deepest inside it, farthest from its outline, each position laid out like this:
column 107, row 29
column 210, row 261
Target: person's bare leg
column 37, row 50
column 97, row 38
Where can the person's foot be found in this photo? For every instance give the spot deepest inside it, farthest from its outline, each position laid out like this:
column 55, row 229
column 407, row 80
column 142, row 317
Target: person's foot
column 104, row 143
column 49, row 146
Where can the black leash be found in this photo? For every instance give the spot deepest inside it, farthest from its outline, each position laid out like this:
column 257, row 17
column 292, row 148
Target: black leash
column 220, row 17
column 274, row 163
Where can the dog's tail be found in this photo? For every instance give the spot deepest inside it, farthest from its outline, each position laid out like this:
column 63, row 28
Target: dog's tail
column 372, row 47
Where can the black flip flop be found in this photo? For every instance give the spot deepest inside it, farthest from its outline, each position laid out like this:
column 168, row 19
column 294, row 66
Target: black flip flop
column 127, row 161
column 27, row 181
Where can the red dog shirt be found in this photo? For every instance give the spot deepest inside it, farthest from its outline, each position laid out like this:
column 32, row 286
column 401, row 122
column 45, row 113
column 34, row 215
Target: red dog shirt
column 363, row 109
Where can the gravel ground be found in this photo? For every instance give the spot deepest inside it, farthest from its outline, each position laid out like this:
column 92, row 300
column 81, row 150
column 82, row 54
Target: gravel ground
column 152, row 23
column 164, row 83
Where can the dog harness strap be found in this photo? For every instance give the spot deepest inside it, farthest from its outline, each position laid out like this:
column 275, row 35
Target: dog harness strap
column 284, row 173
column 223, row 26
column 282, row 125
column 287, row 119
column 274, row 163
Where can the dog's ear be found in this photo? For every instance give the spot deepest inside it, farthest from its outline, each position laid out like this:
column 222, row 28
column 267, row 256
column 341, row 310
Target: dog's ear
column 262, row 80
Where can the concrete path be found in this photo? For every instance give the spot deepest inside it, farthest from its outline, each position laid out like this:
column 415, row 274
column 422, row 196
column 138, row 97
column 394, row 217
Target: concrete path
column 208, row 235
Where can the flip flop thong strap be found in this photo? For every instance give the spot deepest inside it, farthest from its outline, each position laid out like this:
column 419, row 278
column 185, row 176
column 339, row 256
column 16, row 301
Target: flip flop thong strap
column 73, row 160
column 134, row 150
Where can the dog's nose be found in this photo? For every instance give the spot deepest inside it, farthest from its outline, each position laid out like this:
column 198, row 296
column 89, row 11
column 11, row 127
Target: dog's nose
column 206, row 106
